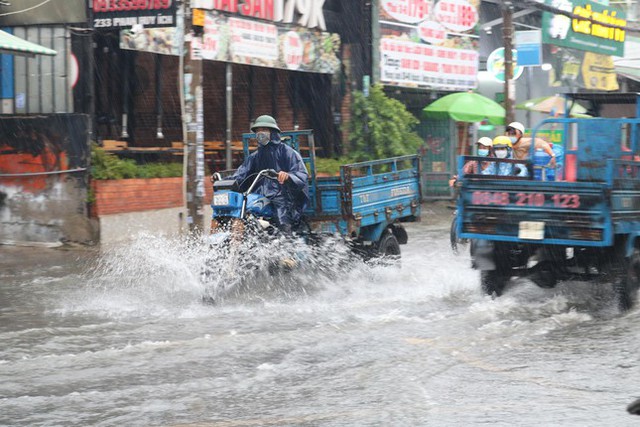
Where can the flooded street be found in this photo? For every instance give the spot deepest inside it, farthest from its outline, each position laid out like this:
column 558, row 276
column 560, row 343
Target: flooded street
column 121, row 337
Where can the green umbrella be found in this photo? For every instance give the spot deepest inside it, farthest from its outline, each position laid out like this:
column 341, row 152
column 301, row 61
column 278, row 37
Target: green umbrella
column 467, row 107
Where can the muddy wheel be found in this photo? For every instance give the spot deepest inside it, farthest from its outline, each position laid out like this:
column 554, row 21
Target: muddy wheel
column 388, row 246
column 627, row 286
column 546, row 275
column 493, row 282
column 456, row 242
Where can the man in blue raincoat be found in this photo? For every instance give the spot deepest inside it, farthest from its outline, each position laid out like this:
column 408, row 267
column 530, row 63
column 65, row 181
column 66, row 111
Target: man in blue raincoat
column 290, row 194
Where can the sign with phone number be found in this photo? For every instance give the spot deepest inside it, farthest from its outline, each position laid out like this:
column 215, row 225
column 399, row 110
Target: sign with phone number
column 503, row 198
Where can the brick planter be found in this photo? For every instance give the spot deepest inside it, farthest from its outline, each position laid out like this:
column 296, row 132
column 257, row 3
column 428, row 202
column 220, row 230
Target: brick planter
column 137, row 195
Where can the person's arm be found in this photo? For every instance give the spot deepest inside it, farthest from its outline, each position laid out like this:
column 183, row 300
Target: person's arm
column 297, row 172
column 243, row 172
column 544, row 145
column 471, row 167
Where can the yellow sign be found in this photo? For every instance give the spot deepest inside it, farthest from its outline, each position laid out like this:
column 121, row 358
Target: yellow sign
column 198, row 17
column 586, row 26
column 598, row 72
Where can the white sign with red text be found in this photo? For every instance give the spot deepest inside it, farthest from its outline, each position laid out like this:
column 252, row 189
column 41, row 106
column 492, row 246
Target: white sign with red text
column 456, row 15
column 293, row 50
column 432, row 32
column 253, row 39
column 307, row 13
column 408, row 63
column 408, row 11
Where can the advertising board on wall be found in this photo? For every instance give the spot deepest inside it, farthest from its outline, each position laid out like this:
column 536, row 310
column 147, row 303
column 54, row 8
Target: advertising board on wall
column 429, row 44
column 305, row 13
column 587, row 31
column 109, row 14
column 247, row 41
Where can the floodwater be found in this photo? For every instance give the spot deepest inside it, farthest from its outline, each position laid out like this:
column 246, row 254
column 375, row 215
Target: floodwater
column 120, row 337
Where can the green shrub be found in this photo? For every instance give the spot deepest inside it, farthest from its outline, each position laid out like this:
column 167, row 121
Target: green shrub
column 381, row 127
column 108, row 166
column 331, row 166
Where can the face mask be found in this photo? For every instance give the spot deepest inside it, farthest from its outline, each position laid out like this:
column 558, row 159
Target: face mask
column 484, row 152
column 501, row 154
column 513, row 139
column 263, row 138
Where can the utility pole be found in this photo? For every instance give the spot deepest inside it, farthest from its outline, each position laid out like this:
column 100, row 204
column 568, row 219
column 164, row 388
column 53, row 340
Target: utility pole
column 193, row 119
column 509, row 84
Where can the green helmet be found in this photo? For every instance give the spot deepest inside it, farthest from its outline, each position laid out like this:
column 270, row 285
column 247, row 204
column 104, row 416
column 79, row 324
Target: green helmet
column 265, row 122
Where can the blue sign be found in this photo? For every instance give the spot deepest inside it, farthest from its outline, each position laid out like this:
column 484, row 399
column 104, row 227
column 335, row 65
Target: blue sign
column 529, row 45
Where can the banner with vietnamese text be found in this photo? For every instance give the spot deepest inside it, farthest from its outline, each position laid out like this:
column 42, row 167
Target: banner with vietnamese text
column 429, row 45
column 247, row 41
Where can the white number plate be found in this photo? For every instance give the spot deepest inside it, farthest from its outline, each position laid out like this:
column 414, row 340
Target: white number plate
column 221, row 199
column 531, row 230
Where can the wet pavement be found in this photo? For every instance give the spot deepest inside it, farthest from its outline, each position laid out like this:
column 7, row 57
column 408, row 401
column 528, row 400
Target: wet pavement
column 120, row 336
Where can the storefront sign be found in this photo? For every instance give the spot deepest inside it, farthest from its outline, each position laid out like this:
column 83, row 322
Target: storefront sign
column 587, row 31
column 495, row 64
column 306, row 13
column 445, row 56
column 529, row 46
column 406, row 63
column 598, row 72
column 252, row 39
column 457, row 15
column 109, row 14
column 246, row 41
column 408, row 11
column 577, row 68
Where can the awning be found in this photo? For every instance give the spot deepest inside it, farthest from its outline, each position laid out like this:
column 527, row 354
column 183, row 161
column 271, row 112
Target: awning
column 629, row 66
column 16, row 46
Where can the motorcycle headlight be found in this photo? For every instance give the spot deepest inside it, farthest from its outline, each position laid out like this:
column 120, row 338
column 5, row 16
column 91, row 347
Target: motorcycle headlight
column 221, row 199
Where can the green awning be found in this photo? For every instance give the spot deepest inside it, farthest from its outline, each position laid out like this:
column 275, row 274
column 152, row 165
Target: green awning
column 16, row 46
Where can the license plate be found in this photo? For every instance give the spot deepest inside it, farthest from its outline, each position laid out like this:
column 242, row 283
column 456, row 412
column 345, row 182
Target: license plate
column 531, row 230
column 221, row 199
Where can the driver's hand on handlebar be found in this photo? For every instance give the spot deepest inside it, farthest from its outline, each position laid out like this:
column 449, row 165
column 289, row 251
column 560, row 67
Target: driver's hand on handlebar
column 216, row 177
column 282, row 177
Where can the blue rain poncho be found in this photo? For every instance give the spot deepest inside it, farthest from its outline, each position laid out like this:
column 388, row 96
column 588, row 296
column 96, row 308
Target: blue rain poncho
column 289, row 199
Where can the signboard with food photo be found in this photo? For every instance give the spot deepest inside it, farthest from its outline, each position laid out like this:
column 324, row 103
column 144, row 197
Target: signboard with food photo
column 429, row 44
column 247, row 41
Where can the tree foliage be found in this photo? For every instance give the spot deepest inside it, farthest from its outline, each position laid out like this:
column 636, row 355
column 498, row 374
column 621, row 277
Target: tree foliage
column 381, row 127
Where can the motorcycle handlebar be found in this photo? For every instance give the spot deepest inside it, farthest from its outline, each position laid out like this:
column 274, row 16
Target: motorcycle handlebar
column 271, row 173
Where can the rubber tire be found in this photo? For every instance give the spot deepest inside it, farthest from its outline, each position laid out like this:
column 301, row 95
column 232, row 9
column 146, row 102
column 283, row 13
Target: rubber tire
column 388, row 245
column 627, row 286
column 492, row 282
column 453, row 236
column 546, row 276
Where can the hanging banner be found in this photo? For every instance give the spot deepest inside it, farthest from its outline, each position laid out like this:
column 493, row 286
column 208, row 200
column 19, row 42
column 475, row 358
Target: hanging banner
column 429, row 45
column 586, row 31
column 247, row 41
column 579, row 69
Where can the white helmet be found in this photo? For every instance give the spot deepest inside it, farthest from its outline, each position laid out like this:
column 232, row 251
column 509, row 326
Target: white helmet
column 486, row 141
column 517, row 126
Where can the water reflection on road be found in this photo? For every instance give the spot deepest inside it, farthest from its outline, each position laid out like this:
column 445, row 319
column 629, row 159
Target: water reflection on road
column 121, row 337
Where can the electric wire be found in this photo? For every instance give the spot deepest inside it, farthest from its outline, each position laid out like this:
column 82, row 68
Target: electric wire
column 15, row 12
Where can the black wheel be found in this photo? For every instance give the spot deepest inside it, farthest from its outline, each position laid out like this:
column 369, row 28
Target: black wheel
column 456, row 242
column 545, row 275
column 627, row 286
column 388, row 246
column 493, row 282
column 453, row 235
